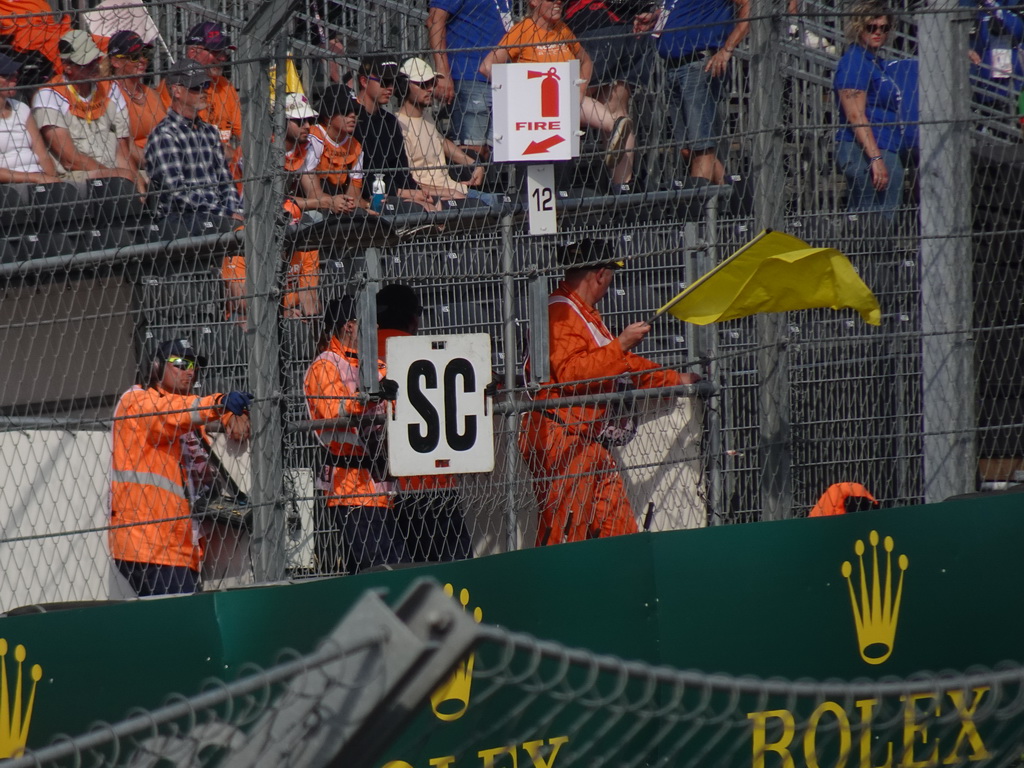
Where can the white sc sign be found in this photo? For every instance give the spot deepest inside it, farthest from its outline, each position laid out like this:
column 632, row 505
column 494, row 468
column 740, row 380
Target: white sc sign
column 442, row 422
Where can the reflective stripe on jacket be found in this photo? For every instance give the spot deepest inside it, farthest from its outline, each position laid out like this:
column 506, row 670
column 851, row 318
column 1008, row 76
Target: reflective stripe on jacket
column 146, row 482
column 582, row 349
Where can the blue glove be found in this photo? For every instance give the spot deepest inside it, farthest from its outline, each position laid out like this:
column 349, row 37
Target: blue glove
column 237, row 402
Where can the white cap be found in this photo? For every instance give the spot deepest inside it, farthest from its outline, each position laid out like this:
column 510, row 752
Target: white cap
column 296, row 106
column 417, row 70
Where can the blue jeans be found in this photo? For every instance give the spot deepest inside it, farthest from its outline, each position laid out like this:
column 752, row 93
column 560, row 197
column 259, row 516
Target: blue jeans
column 150, row 579
column 698, row 122
column 856, row 168
column 471, row 113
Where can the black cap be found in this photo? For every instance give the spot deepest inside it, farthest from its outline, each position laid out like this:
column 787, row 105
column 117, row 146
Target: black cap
column 179, row 348
column 188, row 74
column 382, row 65
column 8, row 66
column 589, row 253
column 210, row 35
column 336, row 100
column 338, row 312
column 125, row 43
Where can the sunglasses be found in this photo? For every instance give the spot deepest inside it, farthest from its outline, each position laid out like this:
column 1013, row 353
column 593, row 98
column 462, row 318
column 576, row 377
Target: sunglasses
column 182, row 363
column 300, row 120
column 387, row 82
column 874, row 28
column 199, row 88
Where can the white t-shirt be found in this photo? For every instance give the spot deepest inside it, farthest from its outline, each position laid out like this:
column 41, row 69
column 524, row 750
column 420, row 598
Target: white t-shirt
column 15, row 145
column 95, row 138
column 424, row 146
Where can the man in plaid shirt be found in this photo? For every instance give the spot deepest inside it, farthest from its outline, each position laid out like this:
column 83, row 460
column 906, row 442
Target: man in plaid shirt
column 189, row 177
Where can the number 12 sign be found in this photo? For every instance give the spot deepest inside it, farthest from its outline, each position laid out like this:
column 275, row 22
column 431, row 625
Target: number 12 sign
column 442, row 422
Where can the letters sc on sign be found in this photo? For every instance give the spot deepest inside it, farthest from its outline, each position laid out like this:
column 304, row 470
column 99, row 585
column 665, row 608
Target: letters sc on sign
column 442, row 420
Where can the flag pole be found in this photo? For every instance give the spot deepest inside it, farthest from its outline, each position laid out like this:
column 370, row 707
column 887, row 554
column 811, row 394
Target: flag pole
column 700, row 280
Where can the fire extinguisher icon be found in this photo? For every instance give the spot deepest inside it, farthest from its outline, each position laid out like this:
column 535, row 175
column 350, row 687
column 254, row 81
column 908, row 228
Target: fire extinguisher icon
column 548, row 91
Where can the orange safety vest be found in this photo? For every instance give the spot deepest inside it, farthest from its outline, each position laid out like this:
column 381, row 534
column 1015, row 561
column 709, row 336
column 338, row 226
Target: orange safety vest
column 90, row 108
column 337, row 160
column 331, row 382
column 147, row 486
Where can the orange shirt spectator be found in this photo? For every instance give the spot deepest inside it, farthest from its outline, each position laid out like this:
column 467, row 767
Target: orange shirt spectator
column 37, row 33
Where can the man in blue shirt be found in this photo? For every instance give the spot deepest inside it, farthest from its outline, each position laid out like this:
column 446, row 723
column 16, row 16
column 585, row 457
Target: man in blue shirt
column 697, row 38
column 462, row 33
column 996, row 52
column 189, row 178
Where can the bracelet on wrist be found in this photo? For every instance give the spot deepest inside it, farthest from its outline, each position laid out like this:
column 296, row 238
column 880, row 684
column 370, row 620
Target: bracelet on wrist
column 876, row 157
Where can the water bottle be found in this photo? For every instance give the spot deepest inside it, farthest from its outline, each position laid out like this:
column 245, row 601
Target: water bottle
column 377, row 190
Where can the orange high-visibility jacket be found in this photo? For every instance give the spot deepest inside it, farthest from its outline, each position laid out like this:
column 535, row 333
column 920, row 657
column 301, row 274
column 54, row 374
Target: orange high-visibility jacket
column 331, row 382
column 582, row 348
column 833, row 500
column 146, row 480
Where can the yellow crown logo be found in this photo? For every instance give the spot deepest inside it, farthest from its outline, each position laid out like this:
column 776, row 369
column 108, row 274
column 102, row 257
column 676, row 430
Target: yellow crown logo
column 876, row 611
column 15, row 722
column 451, row 698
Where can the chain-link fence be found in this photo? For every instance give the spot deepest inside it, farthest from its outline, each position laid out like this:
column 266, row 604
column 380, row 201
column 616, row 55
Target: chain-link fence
column 428, row 684
column 922, row 407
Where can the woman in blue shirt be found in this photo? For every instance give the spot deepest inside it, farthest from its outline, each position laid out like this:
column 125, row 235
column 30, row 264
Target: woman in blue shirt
column 870, row 138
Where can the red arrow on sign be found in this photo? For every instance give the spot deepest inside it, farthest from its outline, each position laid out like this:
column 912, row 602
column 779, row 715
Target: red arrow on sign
column 539, row 147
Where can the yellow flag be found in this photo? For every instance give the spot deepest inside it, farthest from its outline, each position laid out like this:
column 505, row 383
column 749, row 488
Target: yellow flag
column 775, row 272
column 292, row 82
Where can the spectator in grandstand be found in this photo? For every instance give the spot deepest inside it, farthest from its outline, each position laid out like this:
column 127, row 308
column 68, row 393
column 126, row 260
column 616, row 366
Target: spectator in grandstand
column 157, row 432
column 996, row 50
column 622, row 60
column 208, row 46
column 544, row 37
column 189, row 177
column 84, row 121
column 576, row 480
column 302, row 156
column 355, row 525
column 429, row 152
column 23, row 155
column 461, row 32
column 31, row 32
column 129, row 56
column 428, row 507
column 380, row 135
column 870, row 139
column 696, row 39
column 340, row 169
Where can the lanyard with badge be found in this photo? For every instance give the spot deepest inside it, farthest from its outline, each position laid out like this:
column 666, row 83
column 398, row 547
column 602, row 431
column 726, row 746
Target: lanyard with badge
column 659, row 25
column 506, row 14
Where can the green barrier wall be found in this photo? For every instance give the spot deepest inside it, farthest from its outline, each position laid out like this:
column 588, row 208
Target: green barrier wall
column 769, row 599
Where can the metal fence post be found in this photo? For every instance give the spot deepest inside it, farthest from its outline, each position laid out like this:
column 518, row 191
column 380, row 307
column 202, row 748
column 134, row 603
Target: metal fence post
column 947, row 304
column 368, row 322
column 508, row 328
column 264, row 192
column 772, row 362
